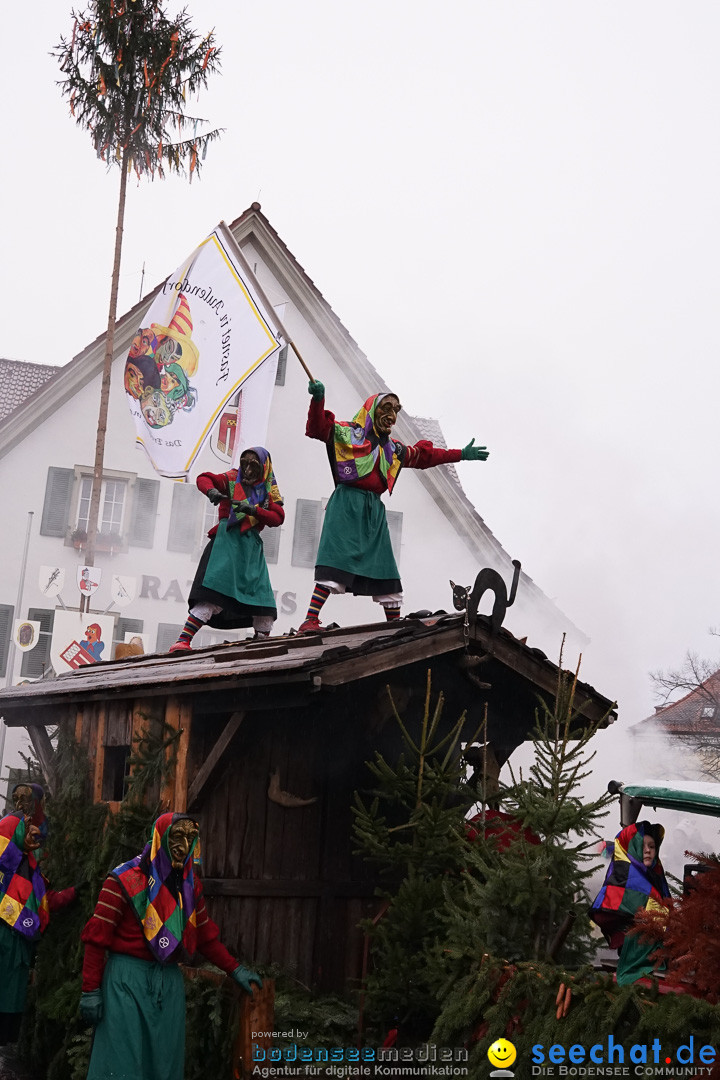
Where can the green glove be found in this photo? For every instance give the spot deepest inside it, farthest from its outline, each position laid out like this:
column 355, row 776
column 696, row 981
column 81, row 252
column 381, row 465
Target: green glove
column 244, row 977
column 474, row 453
column 91, row 1006
column 316, row 389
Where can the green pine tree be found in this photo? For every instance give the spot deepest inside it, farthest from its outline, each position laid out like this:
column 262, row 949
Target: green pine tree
column 412, row 829
column 523, row 909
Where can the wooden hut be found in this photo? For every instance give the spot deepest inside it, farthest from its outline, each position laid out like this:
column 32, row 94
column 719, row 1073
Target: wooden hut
column 274, row 737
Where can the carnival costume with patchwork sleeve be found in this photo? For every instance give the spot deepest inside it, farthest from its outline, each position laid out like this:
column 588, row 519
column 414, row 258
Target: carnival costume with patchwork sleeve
column 25, row 907
column 232, row 572
column 148, row 917
column 355, row 551
column 630, row 885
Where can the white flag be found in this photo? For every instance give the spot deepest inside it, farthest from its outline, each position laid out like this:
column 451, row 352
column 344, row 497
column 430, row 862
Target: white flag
column 207, row 335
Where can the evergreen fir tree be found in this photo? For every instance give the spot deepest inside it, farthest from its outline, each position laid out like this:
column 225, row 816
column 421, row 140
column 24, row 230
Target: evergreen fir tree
column 127, row 69
column 524, row 904
column 413, row 830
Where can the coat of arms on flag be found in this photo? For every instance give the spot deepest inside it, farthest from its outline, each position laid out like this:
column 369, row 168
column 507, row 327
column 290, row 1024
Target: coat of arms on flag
column 207, row 333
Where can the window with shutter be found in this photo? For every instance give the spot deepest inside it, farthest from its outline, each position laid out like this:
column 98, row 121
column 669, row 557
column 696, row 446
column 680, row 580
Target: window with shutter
column 271, row 543
column 144, row 512
column 282, row 366
column 56, row 508
column 36, row 661
column 6, row 627
column 167, row 634
column 394, row 520
column 188, row 508
column 306, row 537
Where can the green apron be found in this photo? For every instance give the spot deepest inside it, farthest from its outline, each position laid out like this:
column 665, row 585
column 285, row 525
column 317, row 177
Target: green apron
column 142, row 1032
column 355, row 536
column 16, row 954
column 237, row 568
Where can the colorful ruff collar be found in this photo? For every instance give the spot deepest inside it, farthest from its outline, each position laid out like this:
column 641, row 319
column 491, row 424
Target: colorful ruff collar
column 262, row 494
column 167, row 919
column 358, row 447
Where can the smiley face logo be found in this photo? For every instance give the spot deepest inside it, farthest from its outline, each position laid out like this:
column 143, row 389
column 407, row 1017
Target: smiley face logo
column 502, row 1054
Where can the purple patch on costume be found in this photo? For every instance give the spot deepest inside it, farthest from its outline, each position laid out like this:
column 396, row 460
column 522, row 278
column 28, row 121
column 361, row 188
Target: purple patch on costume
column 164, row 944
column 347, row 470
column 163, row 866
column 11, row 858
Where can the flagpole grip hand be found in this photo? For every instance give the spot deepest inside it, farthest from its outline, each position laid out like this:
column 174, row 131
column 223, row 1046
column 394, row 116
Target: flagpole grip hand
column 316, row 390
column 214, row 496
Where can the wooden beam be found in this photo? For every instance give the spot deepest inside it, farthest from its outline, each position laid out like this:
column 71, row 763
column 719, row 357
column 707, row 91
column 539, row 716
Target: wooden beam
column 45, row 754
column 172, row 719
column 213, row 758
column 293, row 887
column 392, row 656
column 181, row 766
column 99, row 754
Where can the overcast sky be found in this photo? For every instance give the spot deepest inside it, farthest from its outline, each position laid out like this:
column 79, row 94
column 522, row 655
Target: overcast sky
column 513, row 209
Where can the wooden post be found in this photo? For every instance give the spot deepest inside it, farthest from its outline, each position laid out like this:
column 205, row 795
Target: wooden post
column 99, row 753
column 257, row 1015
column 181, row 768
column 172, row 719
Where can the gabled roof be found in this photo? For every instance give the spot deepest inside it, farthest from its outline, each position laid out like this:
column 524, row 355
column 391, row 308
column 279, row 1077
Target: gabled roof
column 18, row 382
column 685, row 716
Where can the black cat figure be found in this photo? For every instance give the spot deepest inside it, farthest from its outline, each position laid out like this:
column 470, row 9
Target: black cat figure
column 464, row 597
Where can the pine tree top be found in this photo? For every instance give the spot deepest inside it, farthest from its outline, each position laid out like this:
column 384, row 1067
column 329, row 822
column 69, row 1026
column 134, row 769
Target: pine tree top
column 128, row 69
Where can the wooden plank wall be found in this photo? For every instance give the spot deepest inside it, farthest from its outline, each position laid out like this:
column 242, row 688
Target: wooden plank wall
column 290, row 891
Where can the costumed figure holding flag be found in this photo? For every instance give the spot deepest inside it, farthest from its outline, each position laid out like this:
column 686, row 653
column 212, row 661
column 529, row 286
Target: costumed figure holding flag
column 635, row 879
column 25, row 907
column 150, row 915
column 232, row 586
column 355, row 552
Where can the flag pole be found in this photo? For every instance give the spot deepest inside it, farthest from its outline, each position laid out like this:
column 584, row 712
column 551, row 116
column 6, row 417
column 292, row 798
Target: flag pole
column 263, row 296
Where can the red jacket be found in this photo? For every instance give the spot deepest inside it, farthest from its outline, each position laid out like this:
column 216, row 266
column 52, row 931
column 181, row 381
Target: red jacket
column 273, row 516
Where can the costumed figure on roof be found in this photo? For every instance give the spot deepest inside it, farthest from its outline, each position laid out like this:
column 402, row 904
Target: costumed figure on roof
column 232, row 585
column 150, row 915
column 25, row 906
column 355, row 552
column 635, row 879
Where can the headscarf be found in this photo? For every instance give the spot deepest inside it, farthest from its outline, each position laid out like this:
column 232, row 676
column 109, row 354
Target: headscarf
column 629, row 884
column 163, row 899
column 37, row 817
column 261, row 494
column 356, row 447
column 24, row 905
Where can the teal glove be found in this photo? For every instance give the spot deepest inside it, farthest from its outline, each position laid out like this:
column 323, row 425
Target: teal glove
column 244, row 977
column 316, row 389
column 474, row 453
column 91, row 1006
